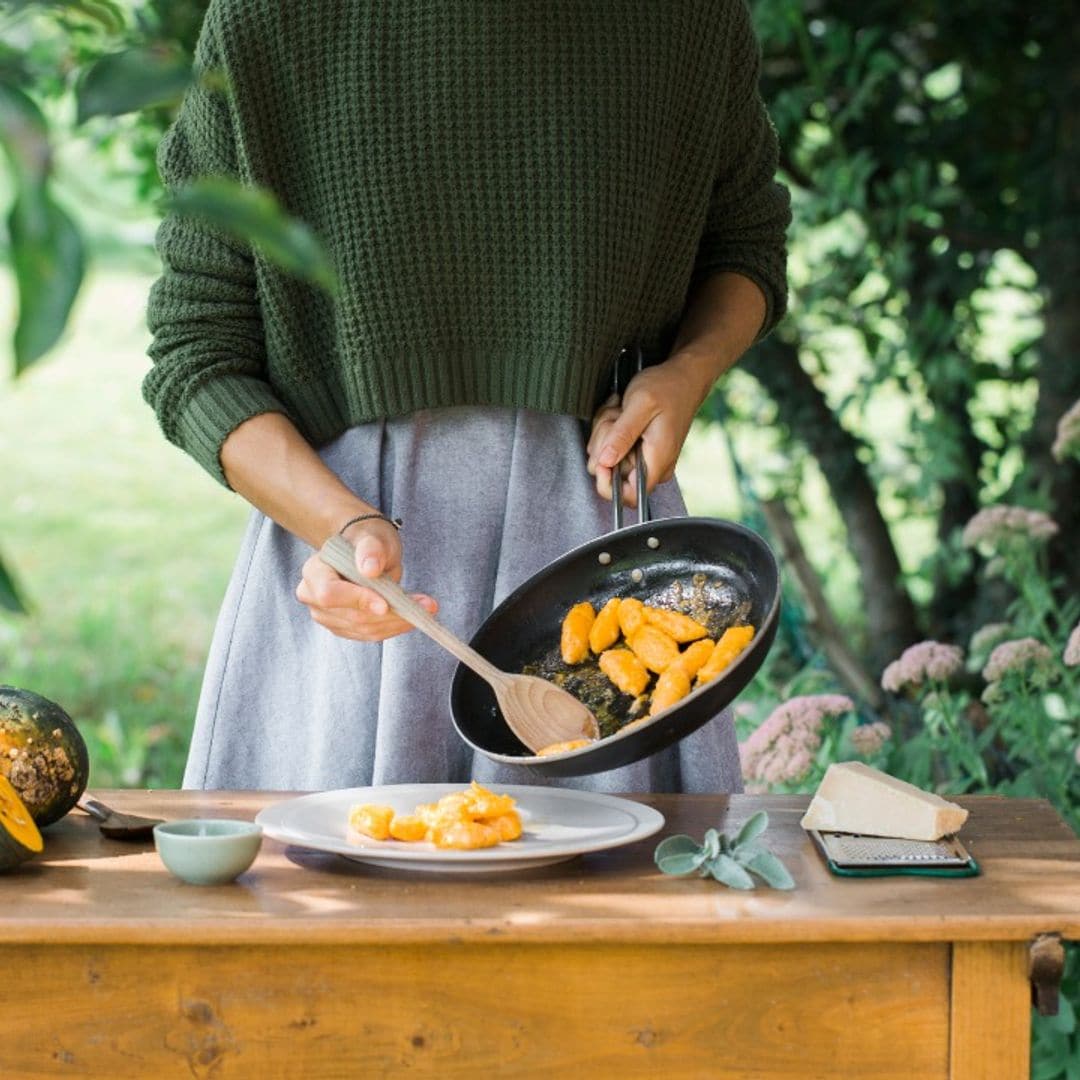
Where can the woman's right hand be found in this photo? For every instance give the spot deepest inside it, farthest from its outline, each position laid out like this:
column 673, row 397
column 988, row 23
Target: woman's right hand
column 349, row 610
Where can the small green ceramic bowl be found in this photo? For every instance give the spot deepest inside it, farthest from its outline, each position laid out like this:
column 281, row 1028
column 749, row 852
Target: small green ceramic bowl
column 207, row 851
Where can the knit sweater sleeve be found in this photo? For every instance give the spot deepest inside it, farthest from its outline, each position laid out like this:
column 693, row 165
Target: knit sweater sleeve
column 749, row 211
column 208, row 346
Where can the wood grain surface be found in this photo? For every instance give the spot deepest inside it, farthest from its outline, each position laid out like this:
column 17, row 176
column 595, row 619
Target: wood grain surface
column 990, row 1037
column 86, row 889
column 475, row 1010
column 312, row 966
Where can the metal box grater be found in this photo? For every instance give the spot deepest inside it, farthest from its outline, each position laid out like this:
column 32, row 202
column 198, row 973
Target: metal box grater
column 855, row 851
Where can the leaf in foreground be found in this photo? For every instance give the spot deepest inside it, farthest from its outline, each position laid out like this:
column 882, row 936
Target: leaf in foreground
column 253, row 215
column 24, row 135
column 47, row 255
column 9, row 594
column 133, row 79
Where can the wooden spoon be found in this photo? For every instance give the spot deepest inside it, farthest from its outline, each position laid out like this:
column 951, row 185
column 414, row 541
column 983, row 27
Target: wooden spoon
column 538, row 712
column 117, row 826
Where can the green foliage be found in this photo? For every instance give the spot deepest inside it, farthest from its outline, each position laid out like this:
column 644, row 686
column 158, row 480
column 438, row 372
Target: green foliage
column 731, row 862
column 123, row 68
column 46, row 247
column 118, row 537
column 132, row 79
column 110, row 68
column 47, row 253
column 256, row 217
column 10, row 600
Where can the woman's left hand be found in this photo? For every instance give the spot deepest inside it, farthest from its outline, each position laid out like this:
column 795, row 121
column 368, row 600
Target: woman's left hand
column 658, row 406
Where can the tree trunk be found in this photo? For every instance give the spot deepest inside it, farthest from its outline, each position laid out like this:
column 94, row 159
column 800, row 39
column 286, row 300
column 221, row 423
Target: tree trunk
column 1057, row 261
column 805, row 412
column 950, row 614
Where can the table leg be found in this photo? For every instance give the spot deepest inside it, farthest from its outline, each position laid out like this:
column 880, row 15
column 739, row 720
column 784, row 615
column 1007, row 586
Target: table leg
column 990, row 1015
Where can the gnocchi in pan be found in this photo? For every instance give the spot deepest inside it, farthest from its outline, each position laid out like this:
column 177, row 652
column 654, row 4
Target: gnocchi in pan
column 654, row 655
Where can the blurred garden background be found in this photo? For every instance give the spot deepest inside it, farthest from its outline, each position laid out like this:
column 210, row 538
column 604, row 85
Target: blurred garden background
column 909, row 439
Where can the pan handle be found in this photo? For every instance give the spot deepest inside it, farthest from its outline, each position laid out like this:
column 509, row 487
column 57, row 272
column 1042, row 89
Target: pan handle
column 629, row 356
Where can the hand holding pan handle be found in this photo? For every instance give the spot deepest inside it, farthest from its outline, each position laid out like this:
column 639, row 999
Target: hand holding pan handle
column 627, row 364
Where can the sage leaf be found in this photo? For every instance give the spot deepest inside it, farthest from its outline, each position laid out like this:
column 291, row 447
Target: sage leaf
column 768, row 867
column 711, row 846
column 726, row 870
column 753, row 827
column 744, row 854
column 679, row 855
column 676, row 845
column 680, row 864
column 253, row 215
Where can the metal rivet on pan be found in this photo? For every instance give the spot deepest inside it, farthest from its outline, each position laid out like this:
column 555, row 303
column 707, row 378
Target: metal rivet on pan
column 653, row 542
column 636, row 574
column 604, row 558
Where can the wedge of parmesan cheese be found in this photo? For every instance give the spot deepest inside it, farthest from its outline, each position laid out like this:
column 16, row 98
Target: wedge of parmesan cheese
column 853, row 797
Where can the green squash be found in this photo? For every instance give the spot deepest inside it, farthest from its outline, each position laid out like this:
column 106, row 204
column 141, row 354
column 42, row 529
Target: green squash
column 19, row 836
column 42, row 754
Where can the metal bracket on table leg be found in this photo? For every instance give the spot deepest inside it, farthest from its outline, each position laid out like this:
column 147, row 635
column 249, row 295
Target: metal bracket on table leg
column 1046, row 964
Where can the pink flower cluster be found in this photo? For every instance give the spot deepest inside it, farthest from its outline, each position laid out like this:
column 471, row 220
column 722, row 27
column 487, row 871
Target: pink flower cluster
column 1016, row 655
column 783, row 747
column 1072, row 648
column 995, row 524
column 1067, row 439
column 928, row 661
column 868, row 739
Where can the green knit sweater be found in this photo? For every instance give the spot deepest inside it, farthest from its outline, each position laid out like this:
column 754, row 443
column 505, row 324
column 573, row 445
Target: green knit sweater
column 509, row 190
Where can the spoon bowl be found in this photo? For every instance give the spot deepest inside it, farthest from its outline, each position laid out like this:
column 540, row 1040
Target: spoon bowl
column 117, row 826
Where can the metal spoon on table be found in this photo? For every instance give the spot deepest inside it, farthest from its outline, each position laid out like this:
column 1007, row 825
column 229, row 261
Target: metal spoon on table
column 117, row 826
column 538, row 712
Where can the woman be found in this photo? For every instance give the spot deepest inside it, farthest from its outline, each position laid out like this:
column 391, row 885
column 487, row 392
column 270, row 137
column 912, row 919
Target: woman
column 509, row 192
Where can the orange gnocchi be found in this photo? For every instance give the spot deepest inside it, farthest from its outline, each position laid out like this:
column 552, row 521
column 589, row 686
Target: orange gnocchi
column 654, row 655
column 672, row 686
column 631, row 616
column 562, row 747
column 605, row 630
column 693, row 658
column 655, row 649
column 460, row 821
column 625, row 670
column 576, row 627
column 732, row 642
column 675, row 624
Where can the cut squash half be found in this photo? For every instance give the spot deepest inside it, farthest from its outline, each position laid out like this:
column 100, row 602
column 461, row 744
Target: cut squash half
column 19, row 836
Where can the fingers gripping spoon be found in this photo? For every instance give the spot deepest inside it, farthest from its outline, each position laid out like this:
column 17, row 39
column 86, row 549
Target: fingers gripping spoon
column 538, row 712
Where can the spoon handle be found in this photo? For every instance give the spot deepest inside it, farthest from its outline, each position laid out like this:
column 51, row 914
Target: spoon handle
column 94, row 808
column 338, row 553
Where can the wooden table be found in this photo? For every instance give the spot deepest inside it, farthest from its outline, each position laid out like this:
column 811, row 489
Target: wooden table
column 313, row 966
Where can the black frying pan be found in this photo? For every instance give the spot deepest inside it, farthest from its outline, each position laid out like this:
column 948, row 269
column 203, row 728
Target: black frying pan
column 716, row 570
column 742, row 584
column 724, row 566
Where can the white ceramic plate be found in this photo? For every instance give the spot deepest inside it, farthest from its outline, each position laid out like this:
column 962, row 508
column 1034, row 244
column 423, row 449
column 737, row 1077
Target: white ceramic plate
column 558, row 824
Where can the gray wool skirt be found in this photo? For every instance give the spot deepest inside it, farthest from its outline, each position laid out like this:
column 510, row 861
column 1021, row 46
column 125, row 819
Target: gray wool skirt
column 489, row 496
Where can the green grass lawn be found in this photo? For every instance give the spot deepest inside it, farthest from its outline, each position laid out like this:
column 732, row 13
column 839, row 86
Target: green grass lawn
column 123, row 546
